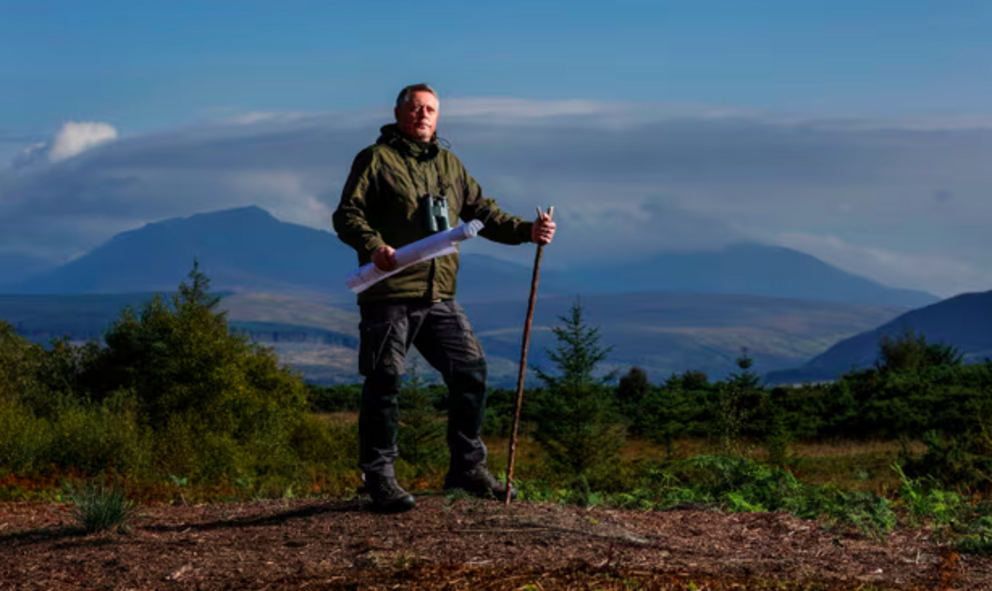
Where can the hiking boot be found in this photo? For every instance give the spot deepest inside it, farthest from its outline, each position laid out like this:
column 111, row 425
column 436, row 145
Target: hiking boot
column 479, row 483
column 387, row 496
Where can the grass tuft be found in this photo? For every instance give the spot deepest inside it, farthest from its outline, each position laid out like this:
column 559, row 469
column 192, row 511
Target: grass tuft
column 100, row 508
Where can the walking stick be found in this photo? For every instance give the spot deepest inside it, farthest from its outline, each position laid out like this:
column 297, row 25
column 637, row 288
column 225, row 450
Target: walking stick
column 535, row 279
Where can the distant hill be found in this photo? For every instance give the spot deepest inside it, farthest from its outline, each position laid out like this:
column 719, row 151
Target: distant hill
column 242, row 249
column 667, row 332
column 747, row 268
column 248, row 250
column 659, row 332
column 964, row 321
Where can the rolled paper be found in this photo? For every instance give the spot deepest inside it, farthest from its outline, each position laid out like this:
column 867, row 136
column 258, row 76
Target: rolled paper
column 433, row 246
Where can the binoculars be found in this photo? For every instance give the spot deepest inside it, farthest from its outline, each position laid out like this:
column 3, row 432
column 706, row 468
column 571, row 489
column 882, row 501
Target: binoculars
column 435, row 212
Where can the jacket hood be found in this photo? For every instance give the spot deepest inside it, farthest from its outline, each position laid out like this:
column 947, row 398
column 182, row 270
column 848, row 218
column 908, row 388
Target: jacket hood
column 391, row 136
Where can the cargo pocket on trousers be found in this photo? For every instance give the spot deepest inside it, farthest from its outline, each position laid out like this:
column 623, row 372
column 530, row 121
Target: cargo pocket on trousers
column 473, row 346
column 373, row 342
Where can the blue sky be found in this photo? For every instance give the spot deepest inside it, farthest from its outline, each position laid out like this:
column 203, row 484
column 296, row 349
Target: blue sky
column 857, row 131
column 145, row 65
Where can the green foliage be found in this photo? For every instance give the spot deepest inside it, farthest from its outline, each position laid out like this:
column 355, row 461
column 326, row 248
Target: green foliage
column 218, row 403
column 926, row 501
column 954, row 400
column 421, row 432
column 672, row 412
column 745, row 485
column 977, row 538
column 727, row 482
column 92, row 438
column 19, row 363
column 911, row 352
column 577, row 354
column 100, row 508
column 501, row 403
column 331, row 445
column 736, row 403
column 963, row 459
column 633, row 388
column 24, row 438
column 172, row 392
column 336, row 398
column 575, row 416
column 86, row 438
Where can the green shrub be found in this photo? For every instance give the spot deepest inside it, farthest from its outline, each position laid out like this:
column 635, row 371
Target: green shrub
column 24, row 438
column 220, row 407
column 633, row 388
column 911, row 352
column 977, row 538
column 925, row 501
column 334, row 398
column 19, row 363
column 91, row 439
column 961, row 460
column 501, row 403
column 670, row 413
column 318, row 442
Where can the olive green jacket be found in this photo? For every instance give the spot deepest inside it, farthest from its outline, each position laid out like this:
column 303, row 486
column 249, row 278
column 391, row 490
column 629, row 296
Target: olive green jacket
column 381, row 205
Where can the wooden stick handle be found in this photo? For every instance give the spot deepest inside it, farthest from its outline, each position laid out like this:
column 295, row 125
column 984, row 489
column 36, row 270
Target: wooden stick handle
column 531, row 302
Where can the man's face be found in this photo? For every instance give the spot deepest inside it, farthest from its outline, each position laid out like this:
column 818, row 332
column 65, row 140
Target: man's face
column 417, row 117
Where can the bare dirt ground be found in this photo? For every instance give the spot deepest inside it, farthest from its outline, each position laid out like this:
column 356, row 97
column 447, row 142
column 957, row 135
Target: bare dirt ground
column 465, row 544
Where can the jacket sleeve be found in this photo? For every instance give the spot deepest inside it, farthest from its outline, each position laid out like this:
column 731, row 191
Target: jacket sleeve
column 499, row 226
column 351, row 217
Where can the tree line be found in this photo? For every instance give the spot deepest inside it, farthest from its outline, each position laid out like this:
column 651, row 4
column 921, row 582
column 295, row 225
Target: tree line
column 173, row 393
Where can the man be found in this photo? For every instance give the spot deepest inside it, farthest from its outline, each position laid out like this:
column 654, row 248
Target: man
column 400, row 190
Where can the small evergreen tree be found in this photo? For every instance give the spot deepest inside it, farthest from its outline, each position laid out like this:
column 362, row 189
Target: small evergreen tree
column 421, row 436
column 575, row 416
column 737, row 401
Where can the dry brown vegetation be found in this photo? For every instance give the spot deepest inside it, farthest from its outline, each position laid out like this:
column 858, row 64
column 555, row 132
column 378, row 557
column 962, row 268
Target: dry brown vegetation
column 465, row 544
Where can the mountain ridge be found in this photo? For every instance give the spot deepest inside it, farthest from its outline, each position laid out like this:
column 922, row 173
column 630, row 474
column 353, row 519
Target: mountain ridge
column 247, row 249
column 963, row 321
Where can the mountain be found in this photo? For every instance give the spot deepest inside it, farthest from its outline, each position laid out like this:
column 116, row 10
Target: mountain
column 248, row 250
column 669, row 332
column 964, row 321
column 240, row 249
column 747, row 268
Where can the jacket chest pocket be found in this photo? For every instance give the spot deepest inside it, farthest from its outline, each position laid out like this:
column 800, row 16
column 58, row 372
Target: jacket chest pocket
column 399, row 199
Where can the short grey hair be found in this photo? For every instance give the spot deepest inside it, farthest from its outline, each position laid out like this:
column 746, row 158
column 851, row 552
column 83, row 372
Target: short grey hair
column 404, row 95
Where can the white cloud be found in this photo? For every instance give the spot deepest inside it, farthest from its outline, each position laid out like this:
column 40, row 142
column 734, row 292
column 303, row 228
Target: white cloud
column 253, row 117
column 75, row 138
column 626, row 180
column 519, row 108
column 72, row 139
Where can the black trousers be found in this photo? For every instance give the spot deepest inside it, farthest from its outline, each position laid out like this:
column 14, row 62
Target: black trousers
column 442, row 334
